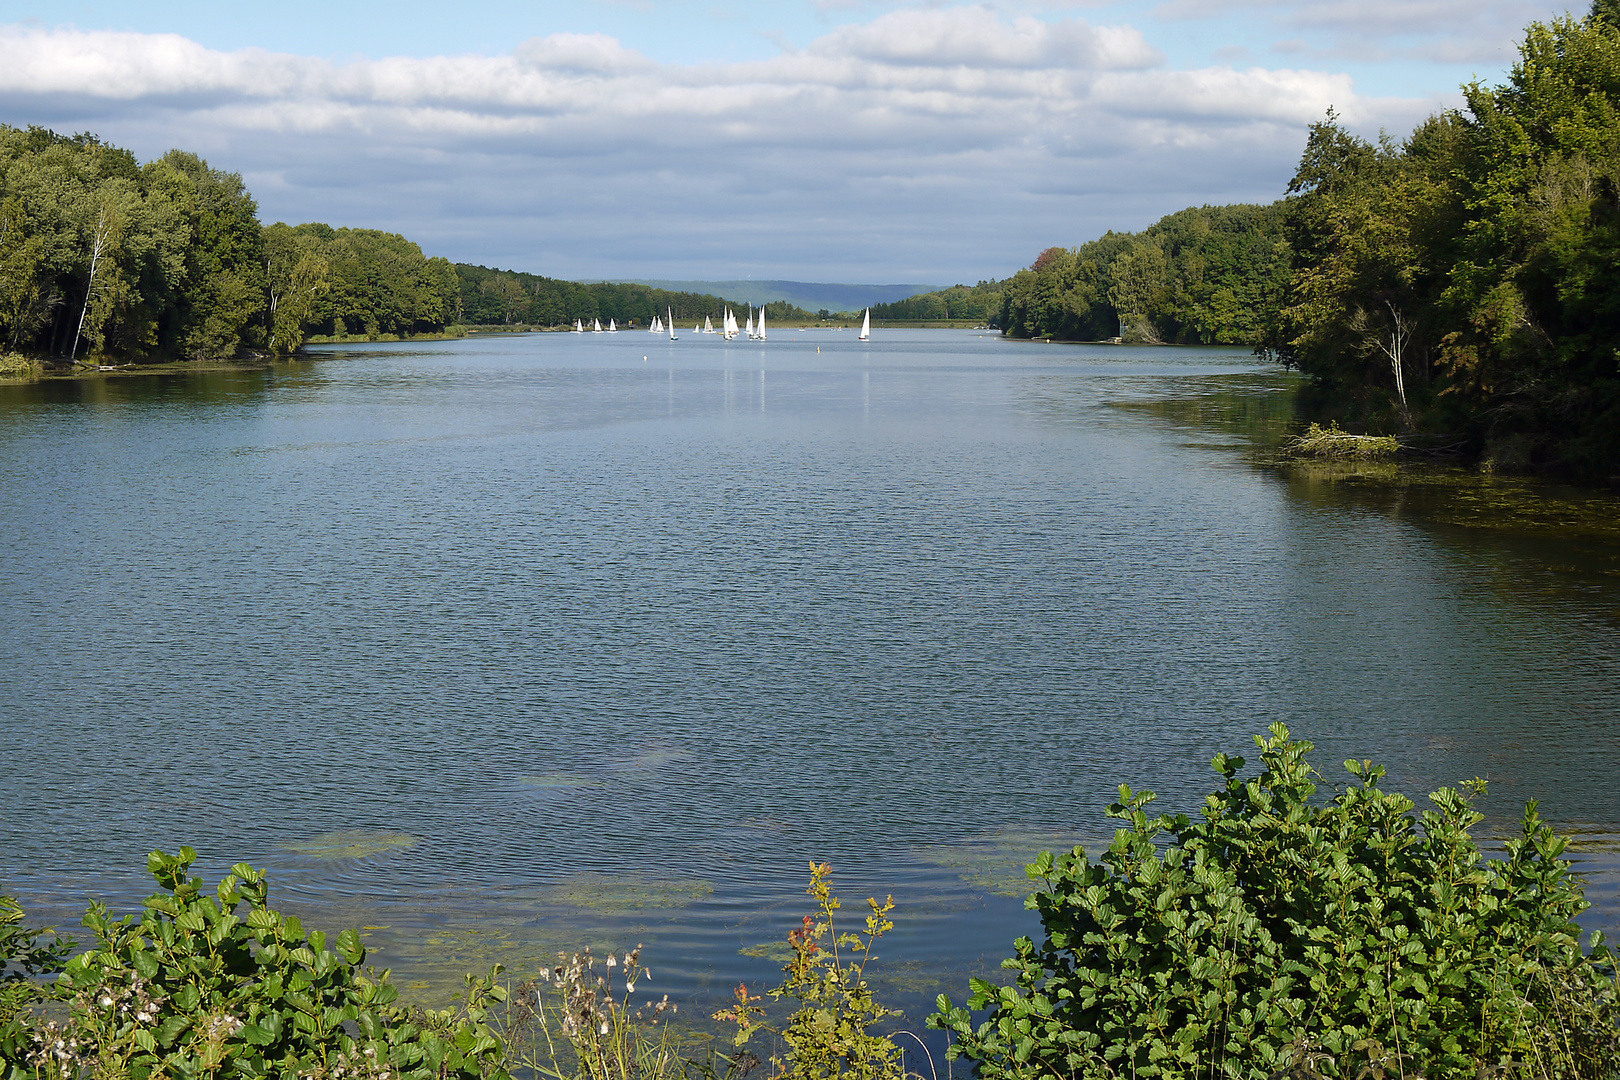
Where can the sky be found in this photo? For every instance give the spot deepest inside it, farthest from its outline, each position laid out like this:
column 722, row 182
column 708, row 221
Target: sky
column 811, row 140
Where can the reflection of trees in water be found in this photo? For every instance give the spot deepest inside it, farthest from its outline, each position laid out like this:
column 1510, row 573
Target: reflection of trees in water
column 235, row 385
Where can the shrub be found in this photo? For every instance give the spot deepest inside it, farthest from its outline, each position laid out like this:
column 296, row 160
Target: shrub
column 17, row 366
column 829, row 1035
column 24, row 957
column 223, row 986
column 1281, row 938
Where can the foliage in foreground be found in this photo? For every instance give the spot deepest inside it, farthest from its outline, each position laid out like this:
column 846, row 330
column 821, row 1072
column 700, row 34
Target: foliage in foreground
column 223, row 986
column 1281, row 938
column 573, row 1022
column 829, row 1034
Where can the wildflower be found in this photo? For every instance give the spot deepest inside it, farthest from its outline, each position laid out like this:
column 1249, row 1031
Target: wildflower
column 610, row 960
column 604, row 1029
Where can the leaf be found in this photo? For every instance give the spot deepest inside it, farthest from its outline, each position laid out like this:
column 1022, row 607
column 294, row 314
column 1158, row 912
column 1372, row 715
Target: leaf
column 350, row 948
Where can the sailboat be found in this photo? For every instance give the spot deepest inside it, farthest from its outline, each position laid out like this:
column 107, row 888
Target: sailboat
column 613, row 327
column 653, row 327
column 866, row 326
column 730, row 325
column 750, row 324
column 672, row 325
column 708, row 327
column 761, row 333
column 596, row 326
column 579, row 327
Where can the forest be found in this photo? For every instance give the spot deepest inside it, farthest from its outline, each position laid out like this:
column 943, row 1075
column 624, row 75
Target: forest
column 1458, row 290
column 1462, row 286
column 981, row 303
column 109, row 261
column 1211, row 275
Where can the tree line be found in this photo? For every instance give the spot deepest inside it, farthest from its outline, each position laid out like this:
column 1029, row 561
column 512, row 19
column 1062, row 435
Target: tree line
column 1460, row 288
column 491, row 297
column 981, row 303
column 103, row 258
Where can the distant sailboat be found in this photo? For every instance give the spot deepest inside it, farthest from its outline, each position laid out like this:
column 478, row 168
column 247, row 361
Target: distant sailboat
column 579, row 327
column 653, row 327
column 750, row 326
column 672, row 336
column 596, row 326
column 730, row 325
column 708, row 326
column 866, row 326
column 613, row 327
column 761, row 334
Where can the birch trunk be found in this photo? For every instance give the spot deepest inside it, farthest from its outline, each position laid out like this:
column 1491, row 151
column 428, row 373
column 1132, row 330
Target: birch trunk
column 97, row 248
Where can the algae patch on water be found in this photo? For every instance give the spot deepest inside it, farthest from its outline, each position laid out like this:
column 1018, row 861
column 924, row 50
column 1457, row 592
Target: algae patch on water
column 652, row 760
column 779, row 951
column 995, row 862
column 352, row 844
column 561, row 782
column 615, row 894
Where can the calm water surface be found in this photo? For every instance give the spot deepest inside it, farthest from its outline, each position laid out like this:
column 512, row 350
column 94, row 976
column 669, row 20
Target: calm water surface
column 507, row 645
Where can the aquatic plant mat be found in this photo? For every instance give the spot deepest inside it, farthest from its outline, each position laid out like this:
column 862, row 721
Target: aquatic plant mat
column 1330, row 442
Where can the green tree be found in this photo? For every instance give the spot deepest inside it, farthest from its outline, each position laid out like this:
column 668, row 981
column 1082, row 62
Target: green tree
column 296, row 277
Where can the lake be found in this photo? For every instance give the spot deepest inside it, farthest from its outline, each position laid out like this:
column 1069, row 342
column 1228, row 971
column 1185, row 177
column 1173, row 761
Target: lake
column 509, row 645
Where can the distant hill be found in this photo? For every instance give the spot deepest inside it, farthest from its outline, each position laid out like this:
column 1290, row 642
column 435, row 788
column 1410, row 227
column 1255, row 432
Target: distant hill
column 810, row 295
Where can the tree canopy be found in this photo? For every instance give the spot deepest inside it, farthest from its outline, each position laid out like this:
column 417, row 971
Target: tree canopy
column 1464, row 282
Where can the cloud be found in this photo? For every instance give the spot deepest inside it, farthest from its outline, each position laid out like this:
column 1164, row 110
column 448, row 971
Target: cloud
column 1442, row 31
column 924, row 144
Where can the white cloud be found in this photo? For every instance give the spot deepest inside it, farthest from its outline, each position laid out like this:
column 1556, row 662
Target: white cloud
column 1441, row 31
column 924, row 144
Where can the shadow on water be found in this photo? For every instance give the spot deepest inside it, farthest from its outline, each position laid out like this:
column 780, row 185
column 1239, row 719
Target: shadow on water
column 1533, row 543
column 200, row 387
column 1545, row 539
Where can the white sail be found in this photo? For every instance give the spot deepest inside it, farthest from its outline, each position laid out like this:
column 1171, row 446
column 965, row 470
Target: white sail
column 579, row 328
column 613, row 327
column 708, row 327
column 596, row 326
column 866, row 326
column 671, row 312
column 750, row 324
column 762, row 324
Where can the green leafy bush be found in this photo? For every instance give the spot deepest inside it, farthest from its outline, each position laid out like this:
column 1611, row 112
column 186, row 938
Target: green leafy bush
column 223, row 986
column 1281, row 937
column 24, row 958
